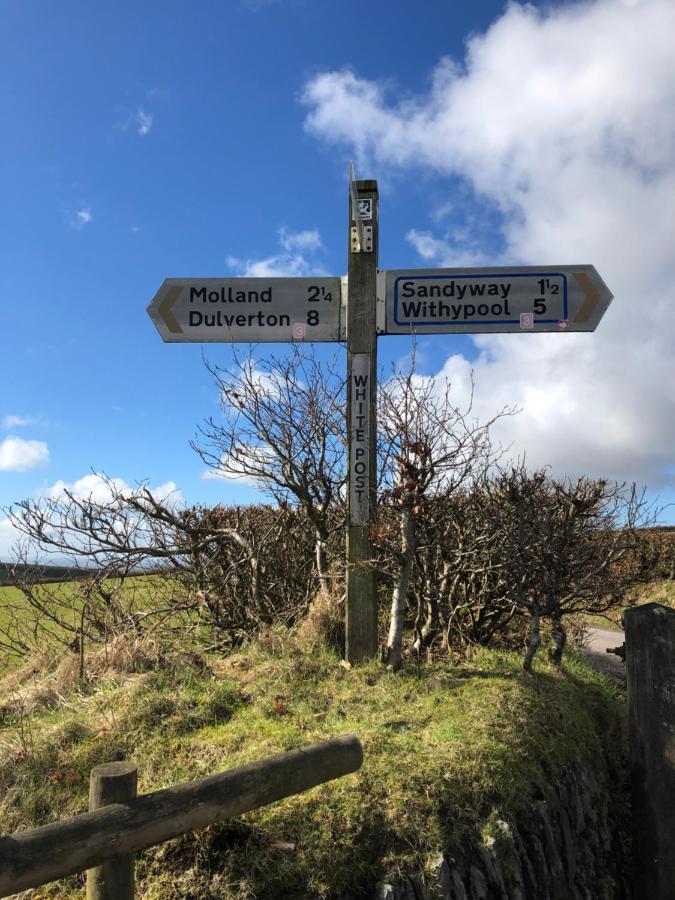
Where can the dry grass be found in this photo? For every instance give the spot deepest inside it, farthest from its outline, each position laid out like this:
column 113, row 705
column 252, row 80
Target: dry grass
column 324, row 624
column 47, row 681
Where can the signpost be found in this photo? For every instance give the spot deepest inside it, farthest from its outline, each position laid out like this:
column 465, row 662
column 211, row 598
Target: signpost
column 470, row 301
column 361, row 602
column 248, row 309
column 529, row 299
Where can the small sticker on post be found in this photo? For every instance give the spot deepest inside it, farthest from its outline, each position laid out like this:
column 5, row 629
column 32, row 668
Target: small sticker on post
column 526, row 320
column 298, row 331
column 365, row 208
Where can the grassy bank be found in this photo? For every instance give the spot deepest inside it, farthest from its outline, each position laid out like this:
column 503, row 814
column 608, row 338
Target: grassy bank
column 447, row 749
column 150, row 596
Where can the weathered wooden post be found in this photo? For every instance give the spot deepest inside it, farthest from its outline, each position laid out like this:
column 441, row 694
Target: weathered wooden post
column 650, row 672
column 112, row 783
column 361, row 605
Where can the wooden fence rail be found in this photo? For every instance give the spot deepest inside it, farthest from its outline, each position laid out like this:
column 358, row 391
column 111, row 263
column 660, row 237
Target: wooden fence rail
column 116, row 831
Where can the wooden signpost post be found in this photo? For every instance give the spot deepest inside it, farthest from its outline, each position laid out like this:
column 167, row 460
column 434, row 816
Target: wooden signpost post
column 361, row 604
column 530, row 299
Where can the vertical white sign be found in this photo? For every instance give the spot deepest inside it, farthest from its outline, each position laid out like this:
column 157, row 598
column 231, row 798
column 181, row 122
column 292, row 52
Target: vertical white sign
column 359, row 441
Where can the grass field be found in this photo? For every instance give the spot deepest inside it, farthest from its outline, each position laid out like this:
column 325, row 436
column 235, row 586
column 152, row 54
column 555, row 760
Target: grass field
column 447, row 750
column 10, row 571
column 65, row 599
column 658, row 591
column 141, row 592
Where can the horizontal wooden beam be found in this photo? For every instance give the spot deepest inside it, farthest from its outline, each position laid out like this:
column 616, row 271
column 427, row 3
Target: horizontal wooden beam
column 32, row 858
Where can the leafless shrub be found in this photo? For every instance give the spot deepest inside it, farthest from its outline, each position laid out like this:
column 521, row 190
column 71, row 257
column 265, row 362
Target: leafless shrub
column 283, row 427
column 265, row 576
column 654, row 554
column 462, row 567
column 155, row 566
column 429, row 448
column 559, row 547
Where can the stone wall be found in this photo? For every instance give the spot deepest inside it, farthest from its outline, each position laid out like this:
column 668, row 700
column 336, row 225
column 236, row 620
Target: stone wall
column 571, row 845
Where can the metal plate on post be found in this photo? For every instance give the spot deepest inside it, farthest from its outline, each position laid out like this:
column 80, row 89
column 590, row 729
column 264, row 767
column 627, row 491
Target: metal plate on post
column 361, row 239
column 255, row 310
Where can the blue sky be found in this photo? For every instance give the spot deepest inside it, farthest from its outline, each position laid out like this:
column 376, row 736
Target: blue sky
column 147, row 140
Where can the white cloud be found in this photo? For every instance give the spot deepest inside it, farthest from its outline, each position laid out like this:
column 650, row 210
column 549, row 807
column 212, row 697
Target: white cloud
column 138, row 118
column 300, row 240
column 561, row 120
column 79, row 218
column 281, row 265
column 143, row 121
column 17, row 455
column 292, row 262
column 90, row 487
column 10, row 422
column 233, row 473
column 223, row 475
column 270, row 385
column 232, row 477
column 8, row 538
column 169, row 493
column 99, row 489
column 444, row 252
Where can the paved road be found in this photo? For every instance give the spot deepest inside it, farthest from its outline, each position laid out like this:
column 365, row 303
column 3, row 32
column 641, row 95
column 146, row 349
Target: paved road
column 597, row 643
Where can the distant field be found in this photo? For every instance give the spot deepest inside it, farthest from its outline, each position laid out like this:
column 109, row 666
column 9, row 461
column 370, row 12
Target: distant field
column 13, row 606
column 661, row 590
column 9, row 596
column 9, row 573
column 139, row 594
column 142, row 592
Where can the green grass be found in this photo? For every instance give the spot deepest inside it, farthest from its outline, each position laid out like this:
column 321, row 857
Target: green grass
column 65, row 599
column 446, row 750
column 660, row 590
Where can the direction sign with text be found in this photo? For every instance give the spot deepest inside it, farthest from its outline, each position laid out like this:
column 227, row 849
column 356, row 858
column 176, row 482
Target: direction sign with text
column 205, row 310
column 469, row 301
column 356, row 309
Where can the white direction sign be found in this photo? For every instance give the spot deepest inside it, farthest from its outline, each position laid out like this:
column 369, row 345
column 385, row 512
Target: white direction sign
column 469, row 301
column 251, row 310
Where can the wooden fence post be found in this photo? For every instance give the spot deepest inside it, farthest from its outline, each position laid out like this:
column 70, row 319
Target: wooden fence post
column 114, row 832
column 650, row 674
column 112, row 783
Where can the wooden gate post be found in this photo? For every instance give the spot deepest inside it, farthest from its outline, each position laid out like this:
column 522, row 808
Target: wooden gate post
column 650, row 673
column 112, row 783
